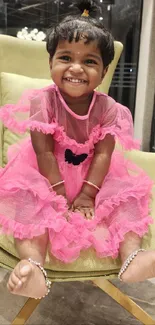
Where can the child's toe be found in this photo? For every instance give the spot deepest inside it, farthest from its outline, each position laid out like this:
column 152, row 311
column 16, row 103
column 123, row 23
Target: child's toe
column 24, row 269
column 10, row 285
column 14, row 279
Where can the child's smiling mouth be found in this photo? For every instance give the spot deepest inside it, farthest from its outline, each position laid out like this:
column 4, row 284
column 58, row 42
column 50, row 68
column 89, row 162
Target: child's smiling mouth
column 75, row 80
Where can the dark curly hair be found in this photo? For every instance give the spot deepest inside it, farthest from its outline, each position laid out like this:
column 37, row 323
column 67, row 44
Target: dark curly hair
column 76, row 27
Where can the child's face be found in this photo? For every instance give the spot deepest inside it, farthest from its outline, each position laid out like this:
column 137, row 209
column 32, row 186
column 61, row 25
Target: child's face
column 77, row 68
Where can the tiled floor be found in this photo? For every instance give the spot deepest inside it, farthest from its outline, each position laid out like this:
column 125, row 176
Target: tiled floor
column 77, row 303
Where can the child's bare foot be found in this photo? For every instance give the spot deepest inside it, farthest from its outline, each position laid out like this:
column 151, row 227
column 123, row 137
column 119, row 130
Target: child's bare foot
column 141, row 268
column 27, row 280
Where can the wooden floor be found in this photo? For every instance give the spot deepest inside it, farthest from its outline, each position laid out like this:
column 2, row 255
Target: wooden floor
column 77, row 303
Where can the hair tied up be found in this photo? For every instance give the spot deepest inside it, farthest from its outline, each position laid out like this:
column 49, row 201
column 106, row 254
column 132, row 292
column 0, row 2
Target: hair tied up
column 82, row 6
column 85, row 13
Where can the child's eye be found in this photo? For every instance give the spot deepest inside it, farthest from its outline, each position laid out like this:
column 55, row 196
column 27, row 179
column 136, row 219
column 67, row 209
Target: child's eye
column 90, row 61
column 65, row 58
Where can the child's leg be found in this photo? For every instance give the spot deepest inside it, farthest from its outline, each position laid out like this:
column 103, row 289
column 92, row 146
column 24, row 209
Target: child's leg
column 142, row 266
column 26, row 278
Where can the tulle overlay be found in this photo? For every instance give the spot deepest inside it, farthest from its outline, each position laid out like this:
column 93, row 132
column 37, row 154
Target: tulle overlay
column 28, row 206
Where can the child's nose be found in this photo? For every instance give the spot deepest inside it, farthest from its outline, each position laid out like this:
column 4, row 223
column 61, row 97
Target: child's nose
column 76, row 67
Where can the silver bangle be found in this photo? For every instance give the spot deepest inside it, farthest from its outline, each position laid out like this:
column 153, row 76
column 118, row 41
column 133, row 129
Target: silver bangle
column 128, row 261
column 47, row 282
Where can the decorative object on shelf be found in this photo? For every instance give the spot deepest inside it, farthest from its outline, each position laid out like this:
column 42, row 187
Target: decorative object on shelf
column 33, row 35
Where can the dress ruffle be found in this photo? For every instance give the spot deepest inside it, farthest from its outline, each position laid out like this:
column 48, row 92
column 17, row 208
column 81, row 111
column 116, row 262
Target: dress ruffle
column 96, row 135
column 127, row 142
column 8, row 119
column 40, row 212
column 31, row 113
column 28, row 207
column 60, row 135
column 69, row 237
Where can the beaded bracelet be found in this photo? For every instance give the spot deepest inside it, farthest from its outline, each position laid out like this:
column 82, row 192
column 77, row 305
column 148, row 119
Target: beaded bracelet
column 91, row 184
column 47, row 282
column 128, row 261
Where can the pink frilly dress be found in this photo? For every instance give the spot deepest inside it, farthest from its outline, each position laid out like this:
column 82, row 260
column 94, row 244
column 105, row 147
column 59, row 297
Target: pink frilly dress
column 28, row 207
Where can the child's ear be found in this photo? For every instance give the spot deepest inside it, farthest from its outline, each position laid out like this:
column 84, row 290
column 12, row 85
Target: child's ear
column 50, row 62
column 104, row 72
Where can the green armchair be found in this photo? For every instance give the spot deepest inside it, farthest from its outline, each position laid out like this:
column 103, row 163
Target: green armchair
column 24, row 65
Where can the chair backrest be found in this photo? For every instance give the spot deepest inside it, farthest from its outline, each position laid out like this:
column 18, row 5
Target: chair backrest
column 23, row 57
column 29, row 58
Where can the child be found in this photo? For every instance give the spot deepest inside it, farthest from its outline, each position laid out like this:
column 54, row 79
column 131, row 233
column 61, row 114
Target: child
column 66, row 185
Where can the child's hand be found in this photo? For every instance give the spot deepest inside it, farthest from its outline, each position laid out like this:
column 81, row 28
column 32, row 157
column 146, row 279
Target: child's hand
column 85, row 205
column 68, row 208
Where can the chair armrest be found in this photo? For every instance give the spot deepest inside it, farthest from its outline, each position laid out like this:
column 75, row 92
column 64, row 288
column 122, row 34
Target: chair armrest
column 145, row 160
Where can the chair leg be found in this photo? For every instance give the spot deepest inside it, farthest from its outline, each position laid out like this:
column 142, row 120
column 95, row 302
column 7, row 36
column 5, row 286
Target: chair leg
column 124, row 301
column 26, row 311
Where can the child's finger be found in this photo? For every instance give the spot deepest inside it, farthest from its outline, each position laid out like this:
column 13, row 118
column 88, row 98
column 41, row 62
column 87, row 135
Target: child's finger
column 66, row 216
column 72, row 208
column 86, row 212
column 89, row 215
column 92, row 213
column 80, row 210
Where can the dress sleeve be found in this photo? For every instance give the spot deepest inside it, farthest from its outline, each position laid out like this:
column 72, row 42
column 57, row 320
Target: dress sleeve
column 118, row 122
column 30, row 113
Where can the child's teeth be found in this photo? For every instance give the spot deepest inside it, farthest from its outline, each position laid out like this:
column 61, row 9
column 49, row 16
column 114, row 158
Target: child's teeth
column 75, row 80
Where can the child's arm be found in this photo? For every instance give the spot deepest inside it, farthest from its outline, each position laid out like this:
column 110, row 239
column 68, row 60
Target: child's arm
column 43, row 146
column 100, row 165
column 97, row 172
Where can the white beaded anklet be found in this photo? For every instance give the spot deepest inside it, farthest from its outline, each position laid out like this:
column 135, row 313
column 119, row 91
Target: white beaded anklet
column 47, row 282
column 128, row 261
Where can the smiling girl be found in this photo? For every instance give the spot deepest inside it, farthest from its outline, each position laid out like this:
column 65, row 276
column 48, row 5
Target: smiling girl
column 67, row 185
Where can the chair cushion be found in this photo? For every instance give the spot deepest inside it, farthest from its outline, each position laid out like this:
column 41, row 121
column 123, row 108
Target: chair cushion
column 87, row 265
column 12, row 87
